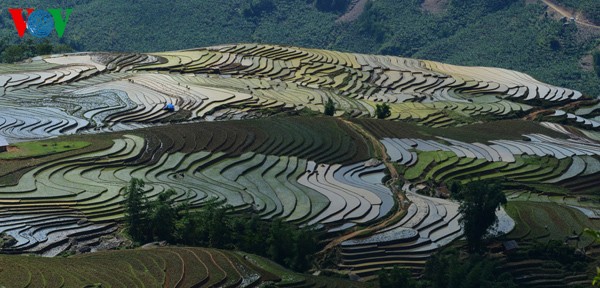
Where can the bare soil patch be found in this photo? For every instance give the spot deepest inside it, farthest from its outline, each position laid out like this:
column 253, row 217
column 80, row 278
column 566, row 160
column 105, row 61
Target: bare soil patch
column 554, row 8
column 586, row 63
column 434, row 6
column 356, row 8
column 12, row 149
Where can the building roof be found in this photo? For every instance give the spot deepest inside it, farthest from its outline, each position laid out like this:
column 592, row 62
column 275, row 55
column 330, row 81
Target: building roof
column 3, row 142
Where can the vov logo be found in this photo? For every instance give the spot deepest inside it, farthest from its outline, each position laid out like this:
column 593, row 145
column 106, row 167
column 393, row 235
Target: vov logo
column 40, row 23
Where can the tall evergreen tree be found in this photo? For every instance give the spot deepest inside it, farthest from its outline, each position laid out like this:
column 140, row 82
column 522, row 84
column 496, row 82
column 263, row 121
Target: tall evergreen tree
column 382, row 111
column 136, row 212
column 329, row 108
column 479, row 202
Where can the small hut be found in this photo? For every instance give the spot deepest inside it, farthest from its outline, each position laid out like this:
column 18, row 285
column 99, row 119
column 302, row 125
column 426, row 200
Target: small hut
column 3, row 144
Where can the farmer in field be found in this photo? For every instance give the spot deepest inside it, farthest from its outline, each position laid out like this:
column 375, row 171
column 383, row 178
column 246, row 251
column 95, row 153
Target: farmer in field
column 170, row 107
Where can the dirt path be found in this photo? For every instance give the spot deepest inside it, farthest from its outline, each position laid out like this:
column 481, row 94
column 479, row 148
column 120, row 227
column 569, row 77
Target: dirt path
column 533, row 115
column 392, row 184
column 564, row 12
column 377, row 145
column 356, row 8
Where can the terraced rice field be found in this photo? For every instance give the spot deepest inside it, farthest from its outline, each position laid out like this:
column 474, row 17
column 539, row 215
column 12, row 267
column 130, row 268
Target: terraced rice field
column 159, row 267
column 117, row 91
column 202, row 162
column 244, row 131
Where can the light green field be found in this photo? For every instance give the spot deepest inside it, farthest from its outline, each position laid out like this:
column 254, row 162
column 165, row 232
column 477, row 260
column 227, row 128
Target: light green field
column 41, row 148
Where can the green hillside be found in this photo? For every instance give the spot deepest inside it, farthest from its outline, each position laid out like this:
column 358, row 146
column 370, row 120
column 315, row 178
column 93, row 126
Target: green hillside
column 507, row 34
column 160, row 267
column 247, row 130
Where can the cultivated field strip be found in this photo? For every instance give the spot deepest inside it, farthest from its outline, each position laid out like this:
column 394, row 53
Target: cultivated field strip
column 500, row 151
column 91, row 185
column 429, row 224
column 120, row 91
column 446, row 123
column 587, row 123
column 573, row 164
column 157, row 267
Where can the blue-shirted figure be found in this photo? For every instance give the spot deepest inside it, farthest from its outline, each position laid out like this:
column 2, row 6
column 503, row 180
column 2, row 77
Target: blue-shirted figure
column 170, row 107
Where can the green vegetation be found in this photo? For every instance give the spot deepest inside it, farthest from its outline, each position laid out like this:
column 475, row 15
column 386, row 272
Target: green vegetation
column 332, row 5
column 257, row 8
column 534, row 219
column 396, row 277
column 136, row 210
column 382, row 111
column 386, row 26
column 596, row 235
column 216, row 226
column 479, row 132
column 596, row 56
column 554, row 250
column 479, row 201
column 156, row 267
column 589, row 8
column 10, row 53
column 425, row 159
column 549, row 262
column 322, row 139
column 450, row 269
column 329, row 108
column 13, row 169
column 41, row 148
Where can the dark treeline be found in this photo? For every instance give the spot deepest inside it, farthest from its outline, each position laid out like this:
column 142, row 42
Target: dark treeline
column 596, row 58
column 216, row 226
column 10, row 53
column 450, row 269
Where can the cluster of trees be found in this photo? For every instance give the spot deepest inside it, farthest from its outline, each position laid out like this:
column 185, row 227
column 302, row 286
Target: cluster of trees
column 554, row 251
column 382, row 111
column 256, row 8
column 28, row 48
column 596, row 235
column 332, row 5
column 329, row 108
column 450, row 269
column 216, row 226
column 404, row 30
column 479, row 201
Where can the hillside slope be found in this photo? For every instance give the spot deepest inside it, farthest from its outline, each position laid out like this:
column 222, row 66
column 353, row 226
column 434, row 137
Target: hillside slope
column 158, row 267
column 445, row 123
column 508, row 34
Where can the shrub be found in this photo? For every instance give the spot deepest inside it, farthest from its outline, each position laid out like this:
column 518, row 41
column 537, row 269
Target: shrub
column 256, row 8
column 332, row 5
column 382, row 111
column 396, row 278
column 329, row 108
column 478, row 203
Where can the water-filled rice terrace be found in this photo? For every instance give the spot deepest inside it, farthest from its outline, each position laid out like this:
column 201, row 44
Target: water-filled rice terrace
column 246, row 130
